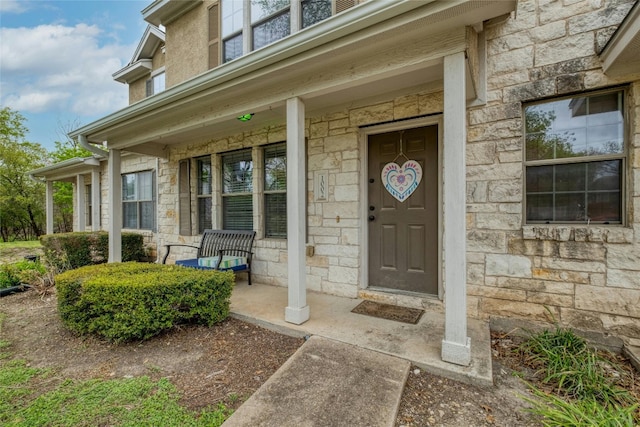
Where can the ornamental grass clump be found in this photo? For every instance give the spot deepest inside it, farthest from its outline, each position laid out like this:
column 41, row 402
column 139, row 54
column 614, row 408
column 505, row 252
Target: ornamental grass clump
column 581, row 386
column 135, row 301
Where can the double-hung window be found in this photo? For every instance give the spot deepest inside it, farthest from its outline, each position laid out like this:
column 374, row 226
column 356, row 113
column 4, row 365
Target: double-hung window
column 251, row 24
column 275, row 191
column 139, row 200
column 204, row 193
column 237, row 190
column 575, row 159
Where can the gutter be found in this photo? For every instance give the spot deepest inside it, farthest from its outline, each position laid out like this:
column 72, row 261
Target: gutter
column 82, row 140
column 349, row 22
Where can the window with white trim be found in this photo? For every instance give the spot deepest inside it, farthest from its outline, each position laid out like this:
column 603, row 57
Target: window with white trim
column 156, row 83
column 237, row 190
column 275, row 191
column 575, row 159
column 139, row 200
column 204, row 193
column 262, row 22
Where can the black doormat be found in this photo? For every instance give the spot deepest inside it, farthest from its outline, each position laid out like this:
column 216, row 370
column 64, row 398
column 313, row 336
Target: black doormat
column 388, row 311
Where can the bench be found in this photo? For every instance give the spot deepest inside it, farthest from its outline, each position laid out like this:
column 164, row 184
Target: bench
column 221, row 250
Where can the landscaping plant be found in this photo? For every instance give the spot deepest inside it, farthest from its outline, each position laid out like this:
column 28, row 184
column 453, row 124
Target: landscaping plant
column 127, row 301
column 583, row 384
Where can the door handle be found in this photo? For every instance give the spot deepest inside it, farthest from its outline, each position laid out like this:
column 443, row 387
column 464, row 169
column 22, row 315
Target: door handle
column 371, row 217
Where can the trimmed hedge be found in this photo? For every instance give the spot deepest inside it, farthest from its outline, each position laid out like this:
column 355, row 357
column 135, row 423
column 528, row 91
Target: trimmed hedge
column 135, row 301
column 66, row 251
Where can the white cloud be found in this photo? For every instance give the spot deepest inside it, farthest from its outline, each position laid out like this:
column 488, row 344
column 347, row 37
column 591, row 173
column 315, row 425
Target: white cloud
column 52, row 68
column 13, row 6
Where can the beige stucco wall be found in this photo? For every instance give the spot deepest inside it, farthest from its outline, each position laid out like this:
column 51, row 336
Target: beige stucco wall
column 582, row 276
column 138, row 90
column 187, row 45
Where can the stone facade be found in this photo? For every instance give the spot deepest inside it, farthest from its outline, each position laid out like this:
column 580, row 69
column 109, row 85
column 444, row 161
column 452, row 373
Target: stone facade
column 581, row 276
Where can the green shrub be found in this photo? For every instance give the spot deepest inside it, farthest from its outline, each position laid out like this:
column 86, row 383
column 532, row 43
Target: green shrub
column 21, row 272
column 66, row 251
column 128, row 301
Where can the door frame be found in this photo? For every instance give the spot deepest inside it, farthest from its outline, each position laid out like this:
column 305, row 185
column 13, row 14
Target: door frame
column 365, row 132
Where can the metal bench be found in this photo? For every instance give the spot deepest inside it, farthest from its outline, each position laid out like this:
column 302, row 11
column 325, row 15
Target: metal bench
column 221, row 250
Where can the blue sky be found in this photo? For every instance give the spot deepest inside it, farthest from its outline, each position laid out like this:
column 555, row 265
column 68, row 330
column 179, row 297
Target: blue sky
column 57, row 59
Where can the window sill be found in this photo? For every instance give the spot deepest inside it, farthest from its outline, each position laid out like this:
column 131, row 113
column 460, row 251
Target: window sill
column 578, row 233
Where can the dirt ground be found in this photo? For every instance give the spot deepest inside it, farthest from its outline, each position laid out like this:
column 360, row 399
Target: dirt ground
column 228, row 362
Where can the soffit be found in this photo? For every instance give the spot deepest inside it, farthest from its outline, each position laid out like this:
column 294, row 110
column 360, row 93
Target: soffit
column 397, row 53
column 163, row 12
column 621, row 55
column 67, row 170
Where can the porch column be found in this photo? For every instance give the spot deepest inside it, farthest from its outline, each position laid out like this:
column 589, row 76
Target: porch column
column 81, row 202
column 115, row 207
column 297, row 310
column 456, row 345
column 49, row 206
column 95, row 200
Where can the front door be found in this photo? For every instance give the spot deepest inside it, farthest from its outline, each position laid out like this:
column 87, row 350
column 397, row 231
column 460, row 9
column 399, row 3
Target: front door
column 403, row 235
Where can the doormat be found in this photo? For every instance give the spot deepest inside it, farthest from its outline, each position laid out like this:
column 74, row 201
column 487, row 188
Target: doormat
column 388, row 311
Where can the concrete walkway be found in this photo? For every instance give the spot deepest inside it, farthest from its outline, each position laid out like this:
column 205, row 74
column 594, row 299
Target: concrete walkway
column 331, row 318
column 327, row 383
column 352, row 369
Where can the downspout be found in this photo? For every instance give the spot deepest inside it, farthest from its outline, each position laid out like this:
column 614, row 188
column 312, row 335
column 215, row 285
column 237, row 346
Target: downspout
column 82, row 140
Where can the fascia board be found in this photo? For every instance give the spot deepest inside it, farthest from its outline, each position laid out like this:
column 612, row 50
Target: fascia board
column 625, row 39
column 163, row 12
column 66, row 168
column 133, row 71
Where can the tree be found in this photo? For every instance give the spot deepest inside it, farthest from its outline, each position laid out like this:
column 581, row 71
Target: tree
column 63, row 191
column 21, row 199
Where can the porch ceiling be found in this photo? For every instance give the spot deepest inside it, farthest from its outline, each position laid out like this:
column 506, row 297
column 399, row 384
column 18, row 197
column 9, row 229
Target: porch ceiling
column 67, row 170
column 327, row 66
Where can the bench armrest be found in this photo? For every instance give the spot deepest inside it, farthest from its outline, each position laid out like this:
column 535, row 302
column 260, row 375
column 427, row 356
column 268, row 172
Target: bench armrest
column 164, row 260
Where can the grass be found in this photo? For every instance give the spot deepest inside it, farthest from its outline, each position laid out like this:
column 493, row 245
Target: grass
column 20, row 244
column 38, row 397
column 582, row 385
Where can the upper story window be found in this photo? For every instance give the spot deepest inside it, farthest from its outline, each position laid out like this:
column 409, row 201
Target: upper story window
column 237, row 191
column 575, row 159
column 139, row 200
column 251, row 24
column 156, row 83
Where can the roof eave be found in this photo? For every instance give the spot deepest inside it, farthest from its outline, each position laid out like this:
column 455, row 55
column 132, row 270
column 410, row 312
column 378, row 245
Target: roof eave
column 621, row 55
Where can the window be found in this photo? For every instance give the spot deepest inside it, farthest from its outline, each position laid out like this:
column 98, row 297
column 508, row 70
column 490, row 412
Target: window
column 204, row 194
column 88, row 208
column 237, row 191
column 155, row 84
column 268, row 21
column 575, row 159
column 314, row 11
column 275, row 191
column 139, row 201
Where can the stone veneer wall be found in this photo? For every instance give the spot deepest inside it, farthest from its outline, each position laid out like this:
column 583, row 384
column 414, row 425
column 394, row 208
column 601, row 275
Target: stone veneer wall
column 585, row 277
column 334, row 147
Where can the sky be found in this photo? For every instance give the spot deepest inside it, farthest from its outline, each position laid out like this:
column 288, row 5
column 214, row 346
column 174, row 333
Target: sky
column 57, row 59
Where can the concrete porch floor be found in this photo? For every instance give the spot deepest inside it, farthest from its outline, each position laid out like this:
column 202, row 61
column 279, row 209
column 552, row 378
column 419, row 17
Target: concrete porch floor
column 331, row 318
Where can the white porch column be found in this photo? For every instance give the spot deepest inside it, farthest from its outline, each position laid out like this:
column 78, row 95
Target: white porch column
column 456, row 345
column 49, row 206
column 81, row 202
column 297, row 310
column 95, row 200
column 115, row 207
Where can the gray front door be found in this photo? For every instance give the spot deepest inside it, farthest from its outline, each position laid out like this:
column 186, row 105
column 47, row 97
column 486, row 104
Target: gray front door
column 403, row 236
